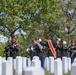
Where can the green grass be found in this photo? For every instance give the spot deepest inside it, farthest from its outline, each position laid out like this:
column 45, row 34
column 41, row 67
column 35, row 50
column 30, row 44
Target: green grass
column 46, row 73
column 67, row 73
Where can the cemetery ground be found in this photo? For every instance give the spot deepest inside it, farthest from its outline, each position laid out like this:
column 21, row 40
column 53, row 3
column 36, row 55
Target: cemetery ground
column 32, row 68
column 46, row 73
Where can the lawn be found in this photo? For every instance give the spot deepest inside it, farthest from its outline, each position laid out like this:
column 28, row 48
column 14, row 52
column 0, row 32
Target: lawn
column 46, row 73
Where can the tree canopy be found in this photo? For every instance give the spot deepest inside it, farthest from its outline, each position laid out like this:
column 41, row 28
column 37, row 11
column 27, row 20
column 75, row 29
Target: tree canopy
column 28, row 15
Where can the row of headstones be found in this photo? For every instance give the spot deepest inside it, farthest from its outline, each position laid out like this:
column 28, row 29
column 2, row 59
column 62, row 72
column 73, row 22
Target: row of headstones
column 60, row 67
column 19, row 65
column 23, row 64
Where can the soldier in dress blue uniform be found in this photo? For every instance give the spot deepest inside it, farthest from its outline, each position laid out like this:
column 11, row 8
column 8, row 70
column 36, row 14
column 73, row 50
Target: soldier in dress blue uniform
column 17, row 48
column 7, row 49
column 72, row 50
column 40, row 50
column 32, row 49
column 58, row 51
column 12, row 49
column 64, row 48
column 53, row 43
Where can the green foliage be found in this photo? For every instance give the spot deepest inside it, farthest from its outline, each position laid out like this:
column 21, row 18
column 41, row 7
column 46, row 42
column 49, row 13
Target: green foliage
column 2, row 46
column 38, row 18
column 29, row 15
column 22, row 44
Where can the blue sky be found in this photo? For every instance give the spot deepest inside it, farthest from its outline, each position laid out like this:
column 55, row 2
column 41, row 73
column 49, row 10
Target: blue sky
column 17, row 32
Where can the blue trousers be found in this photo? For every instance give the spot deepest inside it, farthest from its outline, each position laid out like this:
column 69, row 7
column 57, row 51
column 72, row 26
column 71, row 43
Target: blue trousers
column 42, row 59
column 72, row 60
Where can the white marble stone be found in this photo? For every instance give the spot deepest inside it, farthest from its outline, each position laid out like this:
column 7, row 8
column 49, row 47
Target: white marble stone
column 24, row 63
column 58, row 67
column 34, row 71
column 6, row 68
column 18, row 65
column 14, row 64
column 10, row 60
column 73, row 68
column 65, row 64
column 51, row 64
column 3, row 59
column 36, row 63
column 0, row 65
column 69, row 64
column 75, row 59
column 46, row 64
column 29, row 62
column 36, row 57
column 35, row 68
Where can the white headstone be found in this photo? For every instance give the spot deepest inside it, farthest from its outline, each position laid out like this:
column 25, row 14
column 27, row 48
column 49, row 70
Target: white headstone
column 65, row 64
column 24, row 63
column 14, row 64
column 30, row 71
column 51, row 64
column 75, row 59
column 3, row 59
column 18, row 65
column 10, row 60
column 35, row 68
column 58, row 67
column 0, row 65
column 36, row 57
column 46, row 64
column 73, row 68
column 29, row 62
column 69, row 64
column 34, row 71
column 36, row 63
column 6, row 68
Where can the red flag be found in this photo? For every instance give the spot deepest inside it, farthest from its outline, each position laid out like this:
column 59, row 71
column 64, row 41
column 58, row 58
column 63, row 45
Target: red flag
column 52, row 48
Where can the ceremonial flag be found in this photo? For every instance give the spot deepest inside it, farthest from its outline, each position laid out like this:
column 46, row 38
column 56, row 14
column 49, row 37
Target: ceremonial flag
column 52, row 48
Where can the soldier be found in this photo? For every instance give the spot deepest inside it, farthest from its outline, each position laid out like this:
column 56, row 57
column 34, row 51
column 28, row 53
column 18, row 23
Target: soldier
column 63, row 48
column 72, row 50
column 7, row 49
column 40, row 50
column 14, row 48
column 17, row 48
column 31, row 50
column 53, row 43
column 58, row 51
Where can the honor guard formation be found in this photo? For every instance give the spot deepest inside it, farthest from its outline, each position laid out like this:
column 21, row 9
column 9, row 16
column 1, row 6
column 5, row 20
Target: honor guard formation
column 57, row 48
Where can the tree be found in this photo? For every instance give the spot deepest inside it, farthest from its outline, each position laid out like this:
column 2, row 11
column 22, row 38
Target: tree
column 67, row 22
column 27, row 15
column 35, row 17
column 69, row 14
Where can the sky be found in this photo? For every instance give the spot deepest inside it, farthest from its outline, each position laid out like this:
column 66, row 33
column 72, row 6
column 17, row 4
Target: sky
column 17, row 32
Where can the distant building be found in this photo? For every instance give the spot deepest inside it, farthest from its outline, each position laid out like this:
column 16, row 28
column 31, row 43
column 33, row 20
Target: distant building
column 3, row 39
